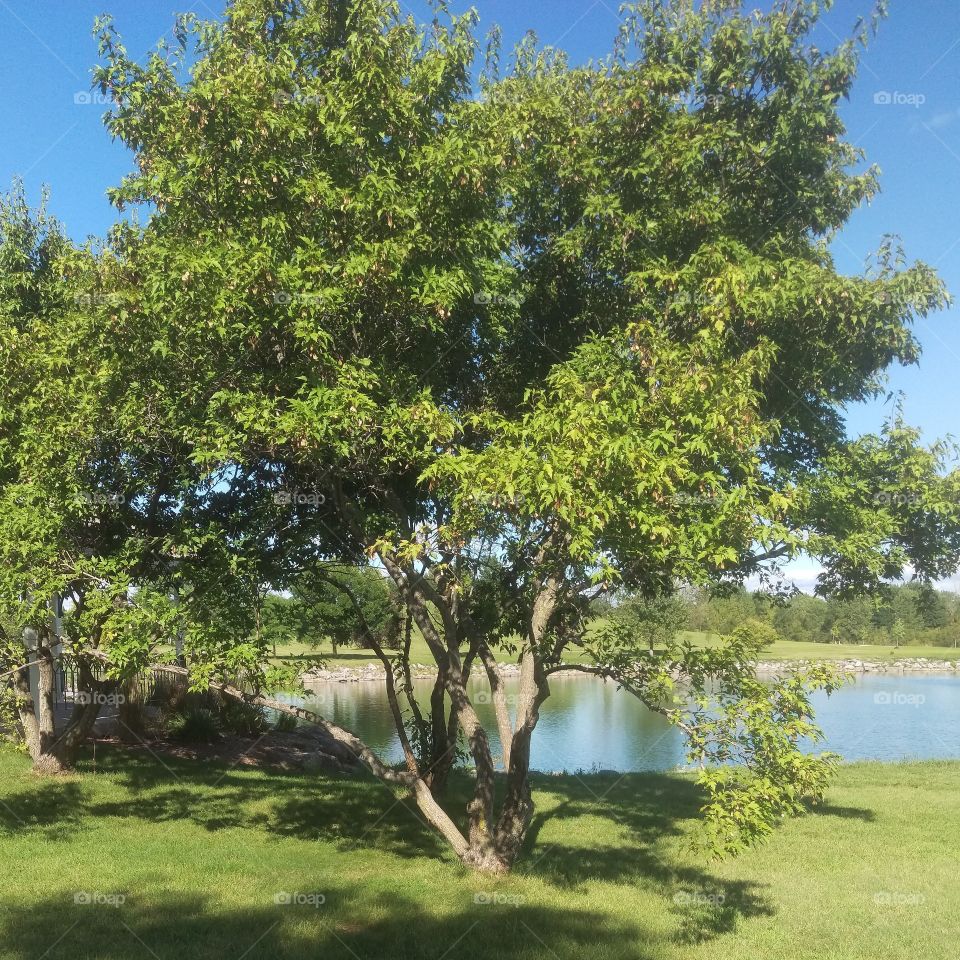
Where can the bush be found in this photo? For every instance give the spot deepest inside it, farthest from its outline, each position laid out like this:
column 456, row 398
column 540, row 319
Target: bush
column 243, row 719
column 194, row 725
column 285, row 723
column 183, row 707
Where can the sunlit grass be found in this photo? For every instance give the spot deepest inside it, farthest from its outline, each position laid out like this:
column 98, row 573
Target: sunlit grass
column 780, row 650
column 201, row 852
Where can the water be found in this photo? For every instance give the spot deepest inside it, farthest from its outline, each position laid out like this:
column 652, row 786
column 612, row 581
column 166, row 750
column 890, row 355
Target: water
column 589, row 724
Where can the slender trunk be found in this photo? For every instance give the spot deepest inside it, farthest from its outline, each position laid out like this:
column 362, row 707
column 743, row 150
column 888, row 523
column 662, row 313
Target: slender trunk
column 408, row 754
column 27, row 712
column 37, row 718
column 498, row 694
column 46, row 696
column 443, row 738
column 440, row 820
column 517, row 810
column 444, row 752
column 480, row 807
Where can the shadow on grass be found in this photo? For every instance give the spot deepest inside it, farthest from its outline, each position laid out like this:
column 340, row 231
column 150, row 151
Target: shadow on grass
column 845, row 813
column 619, row 829
column 52, row 808
column 343, row 927
column 652, row 813
column 349, row 811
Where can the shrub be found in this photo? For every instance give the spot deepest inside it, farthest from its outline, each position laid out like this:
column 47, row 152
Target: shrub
column 285, row 723
column 194, row 725
column 243, row 719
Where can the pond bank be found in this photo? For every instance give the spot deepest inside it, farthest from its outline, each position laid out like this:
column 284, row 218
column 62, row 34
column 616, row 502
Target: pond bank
column 850, row 665
column 419, row 671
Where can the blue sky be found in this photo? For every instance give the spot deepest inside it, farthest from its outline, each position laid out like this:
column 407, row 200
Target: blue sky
column 49, row 138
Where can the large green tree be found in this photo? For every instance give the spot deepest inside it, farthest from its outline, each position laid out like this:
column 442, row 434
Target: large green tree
column 520, row 340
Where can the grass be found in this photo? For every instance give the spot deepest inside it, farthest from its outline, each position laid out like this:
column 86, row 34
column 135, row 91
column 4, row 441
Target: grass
column 349, row 656
column 781, row 650
column 200, row 852
column 801, row 650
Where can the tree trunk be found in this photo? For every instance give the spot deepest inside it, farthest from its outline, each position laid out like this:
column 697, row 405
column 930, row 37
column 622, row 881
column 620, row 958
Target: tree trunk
column 27, row 712
column 517, row 810
column 443, row 738
column 53, row 753
column 444, row 754
column 37, row 718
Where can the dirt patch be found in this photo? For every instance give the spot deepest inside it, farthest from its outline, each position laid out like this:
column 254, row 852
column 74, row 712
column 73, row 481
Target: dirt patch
column 295, row 750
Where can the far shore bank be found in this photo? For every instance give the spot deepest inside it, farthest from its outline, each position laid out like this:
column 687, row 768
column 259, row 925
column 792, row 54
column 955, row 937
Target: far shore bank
column 419, row 671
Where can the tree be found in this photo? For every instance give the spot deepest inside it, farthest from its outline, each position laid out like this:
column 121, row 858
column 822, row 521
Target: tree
column 653, row 620
column 852, row 621
column 339, row 604
column 578, row 332
column 802, row 617
column 79, row 517
column 932, row 608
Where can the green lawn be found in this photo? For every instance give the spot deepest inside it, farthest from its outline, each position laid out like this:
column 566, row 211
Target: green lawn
column 200, row 852
column 349, row 656
column 799, row 650
column 781, row 650
column 786, row 649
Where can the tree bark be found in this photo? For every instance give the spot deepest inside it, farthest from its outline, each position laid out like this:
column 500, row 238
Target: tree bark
column 498, row 694
column 27, row 711
column 518, row 807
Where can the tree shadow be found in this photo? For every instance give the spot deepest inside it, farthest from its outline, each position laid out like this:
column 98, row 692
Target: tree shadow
column 355, row 814
column 346, row 925
column 51, row 807
column 653, row 813
column 846, row 813
column 620, row 829
column 350, row 811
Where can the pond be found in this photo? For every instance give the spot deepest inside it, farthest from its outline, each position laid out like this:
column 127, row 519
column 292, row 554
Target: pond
column 589, row 724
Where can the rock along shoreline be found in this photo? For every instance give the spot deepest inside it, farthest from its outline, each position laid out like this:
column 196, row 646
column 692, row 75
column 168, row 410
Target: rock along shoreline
column 419, row 671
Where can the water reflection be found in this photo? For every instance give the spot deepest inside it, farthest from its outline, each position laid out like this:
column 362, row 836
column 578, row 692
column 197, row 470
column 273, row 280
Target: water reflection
column 589, row 724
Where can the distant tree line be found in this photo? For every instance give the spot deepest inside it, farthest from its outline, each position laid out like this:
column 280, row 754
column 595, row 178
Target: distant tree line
column 906, row 614
column 321, row 612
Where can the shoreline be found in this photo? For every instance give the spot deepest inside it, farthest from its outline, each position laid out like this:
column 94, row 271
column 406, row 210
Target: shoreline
column 419, row 671
column 854, row 666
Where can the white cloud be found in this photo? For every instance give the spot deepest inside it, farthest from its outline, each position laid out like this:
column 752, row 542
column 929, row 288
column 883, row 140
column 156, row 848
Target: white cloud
column 946, row 119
